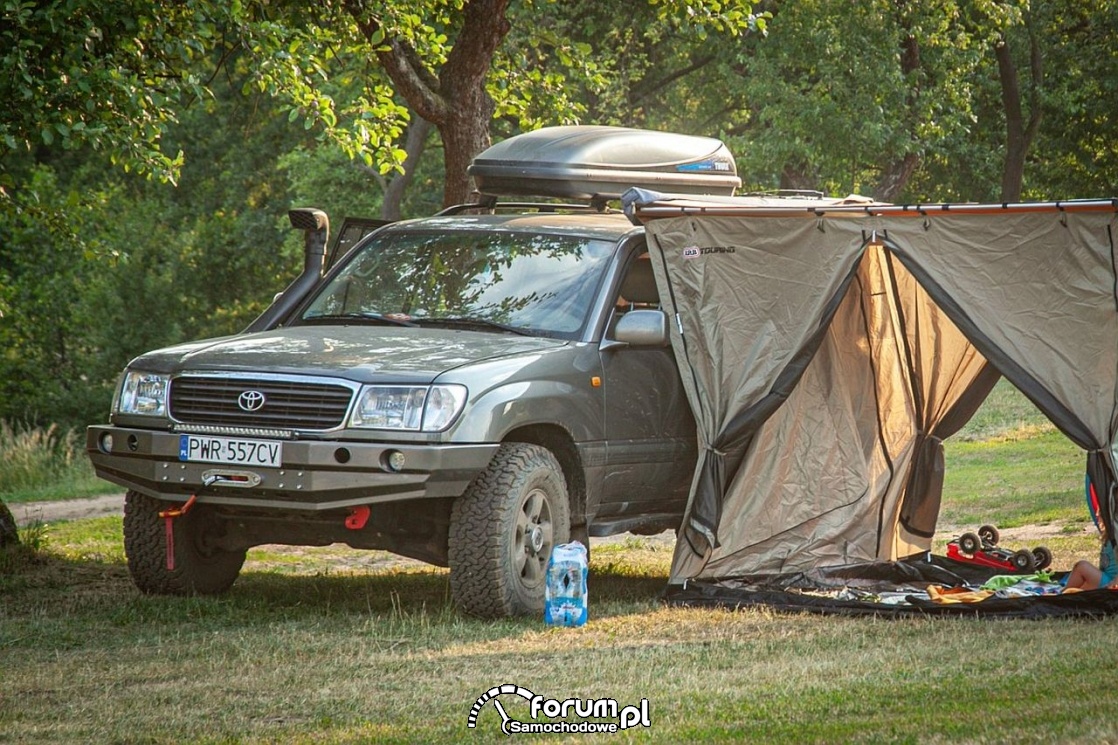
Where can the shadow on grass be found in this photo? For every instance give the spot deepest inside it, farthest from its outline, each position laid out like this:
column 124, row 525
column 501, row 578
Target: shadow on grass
column 408, row 591
column 618, row 585
column 69, row 601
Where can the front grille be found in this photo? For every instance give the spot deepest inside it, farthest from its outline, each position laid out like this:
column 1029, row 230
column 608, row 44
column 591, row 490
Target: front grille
column 287, row 404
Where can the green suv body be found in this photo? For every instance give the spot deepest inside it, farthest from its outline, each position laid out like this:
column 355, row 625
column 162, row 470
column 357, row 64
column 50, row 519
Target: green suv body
column 467, row 389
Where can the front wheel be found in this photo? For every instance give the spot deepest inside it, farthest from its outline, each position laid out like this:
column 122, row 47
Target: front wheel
column 502, row 531
column 969, row 544
column 197, row 567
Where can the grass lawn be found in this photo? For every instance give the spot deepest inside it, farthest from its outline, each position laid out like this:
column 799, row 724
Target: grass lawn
column 1025, row 478
column 333, row 645
column 343, row 646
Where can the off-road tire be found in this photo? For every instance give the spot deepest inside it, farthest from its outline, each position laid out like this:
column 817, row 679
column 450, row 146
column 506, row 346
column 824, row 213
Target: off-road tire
column 1043, row 557
column 498, row 562
column 198, row 570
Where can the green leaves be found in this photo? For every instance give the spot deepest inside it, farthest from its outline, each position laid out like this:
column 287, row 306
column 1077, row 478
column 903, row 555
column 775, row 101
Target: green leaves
column 105, row 74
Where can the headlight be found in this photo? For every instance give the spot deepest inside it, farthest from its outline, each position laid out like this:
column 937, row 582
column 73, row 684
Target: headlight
column 143, row 393
column 420, row 408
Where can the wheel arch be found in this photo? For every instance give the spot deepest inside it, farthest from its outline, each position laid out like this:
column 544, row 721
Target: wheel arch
column 557, row 440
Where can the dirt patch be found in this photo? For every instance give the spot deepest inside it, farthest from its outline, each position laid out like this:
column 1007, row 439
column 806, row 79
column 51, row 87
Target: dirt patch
column 67, row 509
column 1027, row 533
column 1031, row 533
column 113, row 504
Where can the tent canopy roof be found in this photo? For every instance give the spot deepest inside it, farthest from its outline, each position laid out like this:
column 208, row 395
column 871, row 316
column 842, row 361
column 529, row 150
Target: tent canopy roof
column 643, row 206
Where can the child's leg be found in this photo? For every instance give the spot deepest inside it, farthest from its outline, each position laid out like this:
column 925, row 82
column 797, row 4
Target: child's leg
column 1084, row 575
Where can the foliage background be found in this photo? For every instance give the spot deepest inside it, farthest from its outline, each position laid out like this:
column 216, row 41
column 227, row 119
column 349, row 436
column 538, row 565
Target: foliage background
column 149, row 151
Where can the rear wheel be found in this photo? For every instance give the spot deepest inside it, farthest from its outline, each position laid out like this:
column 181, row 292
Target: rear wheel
column 502, row 531
column 200, row 568
column 989, row 535
column 1043, row 557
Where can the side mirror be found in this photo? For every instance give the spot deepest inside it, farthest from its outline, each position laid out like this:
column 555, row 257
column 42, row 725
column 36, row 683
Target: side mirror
column 642, row 328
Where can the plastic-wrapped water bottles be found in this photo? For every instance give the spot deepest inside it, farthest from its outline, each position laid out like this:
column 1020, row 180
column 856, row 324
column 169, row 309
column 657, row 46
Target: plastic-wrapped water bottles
column 565, row 601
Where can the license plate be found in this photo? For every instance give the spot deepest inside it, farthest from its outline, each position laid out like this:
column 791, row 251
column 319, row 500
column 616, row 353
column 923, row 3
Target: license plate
column 197, row 448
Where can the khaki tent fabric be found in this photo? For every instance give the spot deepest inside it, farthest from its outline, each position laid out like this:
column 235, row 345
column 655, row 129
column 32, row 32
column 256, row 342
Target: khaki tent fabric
column 827, row 357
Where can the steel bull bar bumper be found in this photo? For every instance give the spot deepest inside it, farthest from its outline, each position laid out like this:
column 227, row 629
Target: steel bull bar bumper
column 311, row 475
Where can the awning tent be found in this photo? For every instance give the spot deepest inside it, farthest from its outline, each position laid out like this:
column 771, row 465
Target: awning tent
column 827, row 350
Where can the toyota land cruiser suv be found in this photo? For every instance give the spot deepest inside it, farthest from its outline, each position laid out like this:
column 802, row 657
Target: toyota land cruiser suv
column 468, row 389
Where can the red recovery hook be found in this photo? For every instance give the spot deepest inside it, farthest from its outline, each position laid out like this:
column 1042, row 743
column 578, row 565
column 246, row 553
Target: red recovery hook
column 358, row 516
column 168, row 516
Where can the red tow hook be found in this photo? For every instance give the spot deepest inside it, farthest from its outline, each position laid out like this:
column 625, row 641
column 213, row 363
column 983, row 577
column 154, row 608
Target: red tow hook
column 168, row 516
column 358, row 516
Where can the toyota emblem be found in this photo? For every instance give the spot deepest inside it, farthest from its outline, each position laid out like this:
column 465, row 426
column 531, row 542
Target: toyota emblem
column 251, row 400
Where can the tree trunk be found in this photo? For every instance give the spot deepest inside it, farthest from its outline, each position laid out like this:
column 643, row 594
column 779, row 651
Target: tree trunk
column 394, row 191
column 454, row 100
column 465, row 131
column 796, row 177
column 896, row 174
column 895, row 177
column 9, row 535
column 465, row 135
column 1013, row 169
column 1019, row 134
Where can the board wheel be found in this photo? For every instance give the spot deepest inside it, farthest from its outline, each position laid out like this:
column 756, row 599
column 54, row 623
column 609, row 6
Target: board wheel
column 969, row 543
column 989, row 535
column 1023, row 560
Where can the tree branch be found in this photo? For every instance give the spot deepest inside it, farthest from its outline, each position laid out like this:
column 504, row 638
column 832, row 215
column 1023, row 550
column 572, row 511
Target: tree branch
column 483, row 28
column 412, row 84
column 659, row 85
column 409, row 75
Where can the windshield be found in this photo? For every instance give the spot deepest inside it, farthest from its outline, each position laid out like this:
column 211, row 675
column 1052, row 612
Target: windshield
column 497, row 281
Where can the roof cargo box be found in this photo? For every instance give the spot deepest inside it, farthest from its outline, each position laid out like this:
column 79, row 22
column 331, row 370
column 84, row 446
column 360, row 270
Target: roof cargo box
column 594, row 162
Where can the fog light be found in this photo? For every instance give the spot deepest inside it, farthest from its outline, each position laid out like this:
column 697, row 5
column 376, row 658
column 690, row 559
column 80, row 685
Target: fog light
column 395, row 460
column 106, row 442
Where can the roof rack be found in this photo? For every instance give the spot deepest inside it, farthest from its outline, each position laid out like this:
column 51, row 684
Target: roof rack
column 490, row 203
column 795, row 193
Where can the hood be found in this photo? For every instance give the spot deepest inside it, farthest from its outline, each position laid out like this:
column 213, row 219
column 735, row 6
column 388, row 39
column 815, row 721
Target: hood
column 360, row 353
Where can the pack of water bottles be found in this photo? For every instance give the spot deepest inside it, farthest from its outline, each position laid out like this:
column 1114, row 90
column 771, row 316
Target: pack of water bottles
column 565, row 600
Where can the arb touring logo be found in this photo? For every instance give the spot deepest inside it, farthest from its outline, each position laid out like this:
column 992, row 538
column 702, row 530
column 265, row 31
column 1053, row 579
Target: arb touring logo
column 575, row 715
column 694, row 252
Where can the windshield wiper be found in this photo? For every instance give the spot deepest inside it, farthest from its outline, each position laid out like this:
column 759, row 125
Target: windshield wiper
column 360, row 316
column 472, row 322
